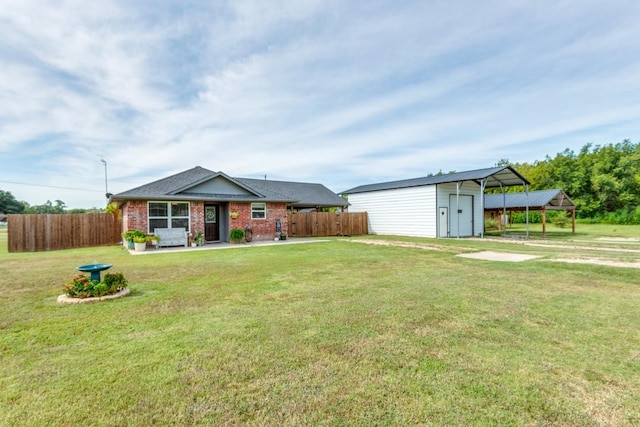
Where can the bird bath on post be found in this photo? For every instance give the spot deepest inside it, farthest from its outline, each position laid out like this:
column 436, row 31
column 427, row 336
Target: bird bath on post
column 94, row 269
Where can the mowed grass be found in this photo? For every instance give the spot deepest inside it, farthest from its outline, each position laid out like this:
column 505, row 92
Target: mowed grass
column 329, row 333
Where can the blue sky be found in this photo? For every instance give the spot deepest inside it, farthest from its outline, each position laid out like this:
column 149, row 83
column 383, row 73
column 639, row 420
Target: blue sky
column 339, row 92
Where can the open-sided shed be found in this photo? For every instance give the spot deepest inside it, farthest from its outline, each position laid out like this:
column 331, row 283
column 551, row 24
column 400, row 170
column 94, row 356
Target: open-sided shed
column 541, row 200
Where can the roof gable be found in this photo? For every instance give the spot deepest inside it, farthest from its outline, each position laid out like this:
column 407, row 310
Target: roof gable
column 219, row 183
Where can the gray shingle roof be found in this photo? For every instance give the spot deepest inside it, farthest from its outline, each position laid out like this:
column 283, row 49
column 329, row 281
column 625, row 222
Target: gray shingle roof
column 536, row 199
column 176, row 187
column 496, row 176
column 305, row 194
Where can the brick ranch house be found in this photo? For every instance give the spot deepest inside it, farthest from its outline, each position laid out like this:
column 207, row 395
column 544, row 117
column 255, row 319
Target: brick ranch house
column 213, row 203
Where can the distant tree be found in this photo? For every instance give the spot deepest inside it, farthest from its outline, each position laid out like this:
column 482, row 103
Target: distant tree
column 440, row 173
column 9, row 204
column 48, row 208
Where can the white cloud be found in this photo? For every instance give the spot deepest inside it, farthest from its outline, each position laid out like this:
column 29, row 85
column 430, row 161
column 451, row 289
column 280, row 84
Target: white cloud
column 336, row 92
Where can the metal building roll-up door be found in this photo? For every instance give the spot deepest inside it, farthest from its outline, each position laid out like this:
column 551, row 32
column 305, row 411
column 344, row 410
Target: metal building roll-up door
column 461, row 215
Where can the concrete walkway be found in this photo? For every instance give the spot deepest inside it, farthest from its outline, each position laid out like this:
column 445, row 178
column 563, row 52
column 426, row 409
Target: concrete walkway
column 226, row 245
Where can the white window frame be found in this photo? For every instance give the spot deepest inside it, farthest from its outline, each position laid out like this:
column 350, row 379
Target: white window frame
column 259, row 208
column 169, row 216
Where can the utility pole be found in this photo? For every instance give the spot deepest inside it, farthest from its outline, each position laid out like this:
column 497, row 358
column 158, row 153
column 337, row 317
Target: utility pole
column 106, row 189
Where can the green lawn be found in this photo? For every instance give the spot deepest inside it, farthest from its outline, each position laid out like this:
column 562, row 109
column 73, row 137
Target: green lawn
column 331, row 333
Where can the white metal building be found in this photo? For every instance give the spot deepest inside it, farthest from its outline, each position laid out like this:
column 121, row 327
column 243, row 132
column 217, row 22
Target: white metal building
column 449, row 205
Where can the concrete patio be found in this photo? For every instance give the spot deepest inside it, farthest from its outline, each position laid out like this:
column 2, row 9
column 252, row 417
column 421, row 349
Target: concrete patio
column 226, row 245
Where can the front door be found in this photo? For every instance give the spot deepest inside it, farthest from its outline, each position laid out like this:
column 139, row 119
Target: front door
column 211, row 224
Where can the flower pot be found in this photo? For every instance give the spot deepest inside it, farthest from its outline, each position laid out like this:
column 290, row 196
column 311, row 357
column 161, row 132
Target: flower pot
column 139, row 247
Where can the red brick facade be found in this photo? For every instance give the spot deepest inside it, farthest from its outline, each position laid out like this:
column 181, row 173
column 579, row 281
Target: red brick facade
column 196, row 210
column 135, row 217
column 263, row 229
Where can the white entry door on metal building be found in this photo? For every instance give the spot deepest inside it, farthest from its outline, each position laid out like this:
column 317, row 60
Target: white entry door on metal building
column 443, row 223
column 461, row 216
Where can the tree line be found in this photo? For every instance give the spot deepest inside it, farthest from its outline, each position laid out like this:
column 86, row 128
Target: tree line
column 603, row 181
column 10, row 205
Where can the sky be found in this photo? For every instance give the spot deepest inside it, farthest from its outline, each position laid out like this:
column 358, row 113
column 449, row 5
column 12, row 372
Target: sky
column 343, row 93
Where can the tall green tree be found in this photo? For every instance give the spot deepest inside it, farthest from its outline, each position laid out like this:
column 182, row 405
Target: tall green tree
column 603, row 181
column 9, row 204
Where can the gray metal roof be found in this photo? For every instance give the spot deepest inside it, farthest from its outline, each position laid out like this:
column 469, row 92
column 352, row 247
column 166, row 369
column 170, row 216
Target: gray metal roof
column 498, row 176
column 176, row 187
column 549, row 199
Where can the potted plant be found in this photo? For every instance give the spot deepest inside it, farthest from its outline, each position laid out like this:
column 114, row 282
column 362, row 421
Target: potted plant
column 233, row 215
column 130, row 235
column 236, row 235
column 154, row 239
column 140, row 243
column 198, row 239
column 283, row 236
column 127, row 239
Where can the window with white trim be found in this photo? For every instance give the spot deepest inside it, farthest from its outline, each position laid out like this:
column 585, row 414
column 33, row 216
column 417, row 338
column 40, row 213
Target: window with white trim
column 168, row 215
column 258, row 210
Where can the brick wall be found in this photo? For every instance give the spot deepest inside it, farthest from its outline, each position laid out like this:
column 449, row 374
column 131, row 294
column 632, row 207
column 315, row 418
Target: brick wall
column 134, row 215
column 263, row 229
column 196, row 210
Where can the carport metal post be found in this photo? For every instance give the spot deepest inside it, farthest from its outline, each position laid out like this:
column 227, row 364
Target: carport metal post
column 526, row 192
column 458, row 184
column 504, row 211
column 483, row 184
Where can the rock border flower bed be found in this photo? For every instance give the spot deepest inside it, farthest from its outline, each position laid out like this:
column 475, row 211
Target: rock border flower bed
column 65, row 299
column 80, row 289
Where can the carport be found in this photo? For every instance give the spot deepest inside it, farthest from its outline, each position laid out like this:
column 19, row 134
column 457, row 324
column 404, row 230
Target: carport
column 542, row 200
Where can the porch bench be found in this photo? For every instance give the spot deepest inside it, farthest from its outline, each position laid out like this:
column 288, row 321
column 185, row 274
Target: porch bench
column 172, row 236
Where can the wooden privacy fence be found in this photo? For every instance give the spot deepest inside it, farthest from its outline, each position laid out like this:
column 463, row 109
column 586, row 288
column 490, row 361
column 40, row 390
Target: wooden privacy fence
column 50, row 232
column 313, row 224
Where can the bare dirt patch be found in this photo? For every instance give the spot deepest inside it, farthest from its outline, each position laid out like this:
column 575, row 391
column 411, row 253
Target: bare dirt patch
column 515, row 257
column 499, row 256
column 606, row 262
column 485, row 255
column 399, row 244
column 618, row 239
